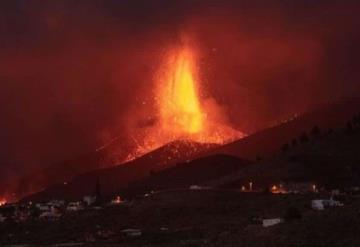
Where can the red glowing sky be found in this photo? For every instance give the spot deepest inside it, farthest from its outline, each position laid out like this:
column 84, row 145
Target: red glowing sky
column 75, row 73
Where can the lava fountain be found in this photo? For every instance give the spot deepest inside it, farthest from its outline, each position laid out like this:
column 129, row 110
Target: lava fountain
column 181, row 115
column 181, row 108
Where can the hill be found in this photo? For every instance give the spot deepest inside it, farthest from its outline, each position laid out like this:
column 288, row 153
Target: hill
column 261, row 146
column 186, row 174
column 330, row 159
column 114, row 178
column 266, row 143
column 57, row 173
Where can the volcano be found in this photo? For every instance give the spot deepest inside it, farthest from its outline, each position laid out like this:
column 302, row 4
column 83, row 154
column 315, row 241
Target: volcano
column 141, row 171
column 179, row 106
column 185, row 125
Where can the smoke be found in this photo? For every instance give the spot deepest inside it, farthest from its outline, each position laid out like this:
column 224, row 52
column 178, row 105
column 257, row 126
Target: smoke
column 71, row 72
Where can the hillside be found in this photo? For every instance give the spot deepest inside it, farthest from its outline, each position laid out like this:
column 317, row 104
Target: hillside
column 186, row 174
column 261, row 146
column 329, row 159
column 266, row 143
column 57, row 173
column 114, row 178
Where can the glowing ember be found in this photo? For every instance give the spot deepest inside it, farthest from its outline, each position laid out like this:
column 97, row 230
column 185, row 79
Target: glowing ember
column 181, row 112
column 2, row 202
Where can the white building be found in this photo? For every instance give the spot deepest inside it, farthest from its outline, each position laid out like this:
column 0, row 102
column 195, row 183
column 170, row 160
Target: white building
column 131, row 233
column 74, row 206
column 57, row 203
column 197, row 187
column 43, row 207
column 89, row 200
column 321, row 204
column 50, row 216
column 271, row 222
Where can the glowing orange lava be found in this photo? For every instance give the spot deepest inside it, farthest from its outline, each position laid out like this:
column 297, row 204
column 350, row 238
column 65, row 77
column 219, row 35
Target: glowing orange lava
column 182, row 113
column 177, row 98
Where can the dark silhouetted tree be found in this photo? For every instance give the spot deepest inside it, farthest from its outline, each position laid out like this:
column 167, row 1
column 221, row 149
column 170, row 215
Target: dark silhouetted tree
column 285, row 147
column 356, row 120
column 304, row 138
column 349, row 127
column 98, row 192
column 315, row 132
column 294, row 142
column 34, row 212
column 330, row 131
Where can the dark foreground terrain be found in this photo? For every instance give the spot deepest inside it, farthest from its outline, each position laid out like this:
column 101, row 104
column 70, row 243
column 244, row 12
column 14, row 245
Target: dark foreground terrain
column 198, row 218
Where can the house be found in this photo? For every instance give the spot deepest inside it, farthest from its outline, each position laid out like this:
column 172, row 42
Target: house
column 57, row 203
column 8, row 211
column 197, row 187
column 50, row 216
column 52, row 206
column 117, row 200
column 354, row 191
column 89, row 200
column 271, row 222
column 317, row 204
column 74, row 206
column 43, row 207
column 21, row 214
column 278, row 189
column 301, row 187
column 321, row 204
column 131, row 233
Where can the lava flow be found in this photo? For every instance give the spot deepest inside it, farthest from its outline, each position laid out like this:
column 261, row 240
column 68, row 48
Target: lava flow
column 182, row 112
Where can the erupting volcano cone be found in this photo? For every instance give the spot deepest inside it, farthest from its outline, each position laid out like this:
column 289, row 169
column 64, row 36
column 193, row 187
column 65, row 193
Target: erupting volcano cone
column 181, row 112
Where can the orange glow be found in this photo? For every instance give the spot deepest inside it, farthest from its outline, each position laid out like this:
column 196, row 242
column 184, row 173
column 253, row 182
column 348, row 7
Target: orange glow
column 2, row 202
column 178, row 99
column 181, row 110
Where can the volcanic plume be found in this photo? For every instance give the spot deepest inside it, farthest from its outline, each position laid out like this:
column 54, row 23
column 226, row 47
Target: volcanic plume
column 182, row 109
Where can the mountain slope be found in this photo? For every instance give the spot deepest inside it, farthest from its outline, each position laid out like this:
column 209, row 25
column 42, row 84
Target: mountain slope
column 266, row 143
column 186, row 174
column 114, row 178
column 331, row 160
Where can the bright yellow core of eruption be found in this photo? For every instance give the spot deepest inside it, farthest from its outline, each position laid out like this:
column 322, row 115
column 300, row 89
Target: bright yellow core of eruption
column 179, row 113
column 180, row 110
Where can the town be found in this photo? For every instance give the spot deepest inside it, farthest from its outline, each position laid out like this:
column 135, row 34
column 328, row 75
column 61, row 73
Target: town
column 59, row 212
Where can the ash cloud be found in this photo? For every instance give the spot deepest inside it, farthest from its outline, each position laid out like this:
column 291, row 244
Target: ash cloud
column 71, row 70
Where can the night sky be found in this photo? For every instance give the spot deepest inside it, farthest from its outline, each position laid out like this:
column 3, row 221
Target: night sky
column 75, row 73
